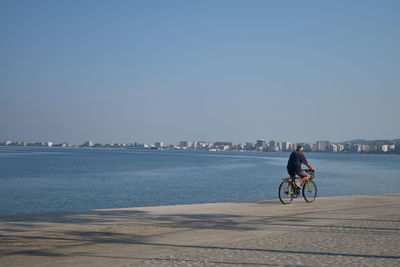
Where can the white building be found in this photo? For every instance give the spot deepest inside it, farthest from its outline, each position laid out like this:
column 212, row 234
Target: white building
column 314, row 147
column 275, row 146
column 334, row 148
column 185, row 144
column 286, row 146
column 322, row 146
column 159, row 144
column 88, row 143
column 340, row 148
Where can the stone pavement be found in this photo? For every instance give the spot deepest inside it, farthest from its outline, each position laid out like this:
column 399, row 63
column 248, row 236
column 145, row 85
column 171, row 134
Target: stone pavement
column 336, row 231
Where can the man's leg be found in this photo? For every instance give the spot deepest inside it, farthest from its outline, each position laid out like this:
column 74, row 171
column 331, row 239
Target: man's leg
column 292, row 174
column 304, row 177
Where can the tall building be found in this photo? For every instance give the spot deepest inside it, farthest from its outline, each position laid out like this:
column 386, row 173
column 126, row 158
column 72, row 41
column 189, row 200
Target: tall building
column 185, row 144
column 340, row 147
column 88, row 144
column 314, row 147
column 249, row 146
column 279, row 147
column 159, row 144
column 293, row 147
column 275, row 146
column 48, row 144
column 272, row 145
column 334, row 148
column 286, row 146
column 261, row 143
column 323, row 146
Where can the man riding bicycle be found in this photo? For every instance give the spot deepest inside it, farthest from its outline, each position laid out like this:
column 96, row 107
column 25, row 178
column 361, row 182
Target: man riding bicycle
column 295, row 161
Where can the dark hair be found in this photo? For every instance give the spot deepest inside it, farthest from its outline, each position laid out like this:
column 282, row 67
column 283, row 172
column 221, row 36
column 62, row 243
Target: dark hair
column 299, row 147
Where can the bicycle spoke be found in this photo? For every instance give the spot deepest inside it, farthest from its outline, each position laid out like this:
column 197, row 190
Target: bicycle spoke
column 309, row 191
column 286, row 192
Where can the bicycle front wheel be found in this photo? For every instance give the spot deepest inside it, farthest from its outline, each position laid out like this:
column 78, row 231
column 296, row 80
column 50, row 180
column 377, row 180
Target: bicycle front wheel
column 286, row 192
column 309, row 191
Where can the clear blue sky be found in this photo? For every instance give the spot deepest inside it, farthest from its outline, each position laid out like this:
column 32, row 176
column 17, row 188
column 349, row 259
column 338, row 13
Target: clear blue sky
column 146, row 71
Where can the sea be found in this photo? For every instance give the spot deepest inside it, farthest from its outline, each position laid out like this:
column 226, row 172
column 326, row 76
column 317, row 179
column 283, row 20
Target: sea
column 51, row 180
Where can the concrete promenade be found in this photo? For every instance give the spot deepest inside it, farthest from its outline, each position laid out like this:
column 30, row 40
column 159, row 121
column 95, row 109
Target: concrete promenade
column 336, row 231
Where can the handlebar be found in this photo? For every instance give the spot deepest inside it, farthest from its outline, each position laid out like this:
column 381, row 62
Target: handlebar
column 310, row 172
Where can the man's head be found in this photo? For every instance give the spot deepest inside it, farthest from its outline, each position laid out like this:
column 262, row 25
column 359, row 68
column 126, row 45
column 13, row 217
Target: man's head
column 300, row 148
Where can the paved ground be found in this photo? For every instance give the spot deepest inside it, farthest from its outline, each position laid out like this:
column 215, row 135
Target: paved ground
column 338, row 231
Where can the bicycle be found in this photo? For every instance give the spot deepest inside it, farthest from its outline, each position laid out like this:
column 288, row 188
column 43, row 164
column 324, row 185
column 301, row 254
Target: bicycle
column 288, row 189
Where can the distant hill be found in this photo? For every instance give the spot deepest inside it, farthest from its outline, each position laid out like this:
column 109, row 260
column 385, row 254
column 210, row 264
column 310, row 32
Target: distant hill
column 373, row 142
column 358, row 141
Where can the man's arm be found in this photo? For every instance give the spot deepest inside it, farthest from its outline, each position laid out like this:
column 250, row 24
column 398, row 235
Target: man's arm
column 305, row 162
column 310, row 167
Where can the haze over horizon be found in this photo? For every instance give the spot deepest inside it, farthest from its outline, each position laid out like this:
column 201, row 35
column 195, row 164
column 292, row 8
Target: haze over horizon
column 147, row 71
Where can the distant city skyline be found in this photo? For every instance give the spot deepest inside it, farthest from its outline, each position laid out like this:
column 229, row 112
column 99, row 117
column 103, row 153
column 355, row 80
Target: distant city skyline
column 147, row 71
column 260, row 145
column 162, row 141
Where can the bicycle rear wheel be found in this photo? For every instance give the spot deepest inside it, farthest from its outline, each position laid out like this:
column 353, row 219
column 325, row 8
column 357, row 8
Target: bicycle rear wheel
column 286, row 192
column 309, row 191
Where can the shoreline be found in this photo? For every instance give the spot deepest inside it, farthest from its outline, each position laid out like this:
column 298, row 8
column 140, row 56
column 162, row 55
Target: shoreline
column 342, row 230
column 172, row 205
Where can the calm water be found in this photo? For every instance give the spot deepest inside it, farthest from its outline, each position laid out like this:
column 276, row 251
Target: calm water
column 36, row 180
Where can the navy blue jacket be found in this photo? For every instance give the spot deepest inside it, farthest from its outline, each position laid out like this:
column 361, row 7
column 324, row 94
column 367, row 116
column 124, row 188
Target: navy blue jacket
column 295, row 160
